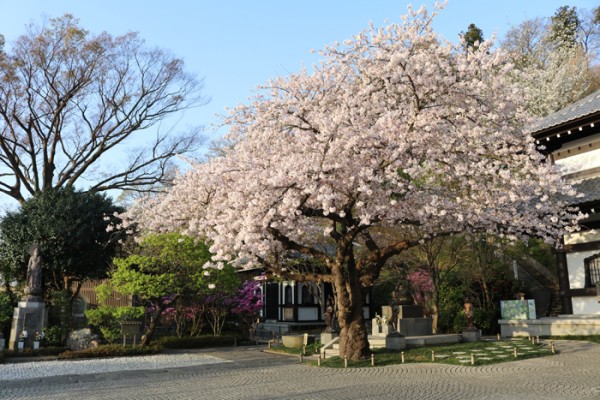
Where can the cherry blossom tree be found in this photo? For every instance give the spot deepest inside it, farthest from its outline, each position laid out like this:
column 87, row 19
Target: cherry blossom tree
column 395, row 128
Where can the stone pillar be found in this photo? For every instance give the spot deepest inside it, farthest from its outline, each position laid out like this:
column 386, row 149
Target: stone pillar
column 31, row 316
column 563, row 280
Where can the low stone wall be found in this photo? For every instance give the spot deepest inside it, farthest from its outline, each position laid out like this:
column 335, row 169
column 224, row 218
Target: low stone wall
column 561, row 326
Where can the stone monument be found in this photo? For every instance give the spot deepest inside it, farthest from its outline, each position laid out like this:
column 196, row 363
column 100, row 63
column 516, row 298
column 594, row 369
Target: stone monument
column 30, row 315
column 470, row 333
column 329, row 333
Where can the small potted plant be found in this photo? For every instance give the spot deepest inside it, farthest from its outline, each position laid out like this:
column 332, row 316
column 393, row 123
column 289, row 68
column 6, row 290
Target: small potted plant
column 22, row 338
column 39, row 336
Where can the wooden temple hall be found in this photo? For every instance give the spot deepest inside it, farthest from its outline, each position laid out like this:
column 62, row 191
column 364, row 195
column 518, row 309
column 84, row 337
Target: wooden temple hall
column 293, row 306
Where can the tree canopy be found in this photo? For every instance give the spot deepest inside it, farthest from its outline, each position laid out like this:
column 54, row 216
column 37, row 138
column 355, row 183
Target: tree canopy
column 395, row 128
column 71, row 228
column 69, row 98
column 556, row 58
column 168, row 265
column 473, row 36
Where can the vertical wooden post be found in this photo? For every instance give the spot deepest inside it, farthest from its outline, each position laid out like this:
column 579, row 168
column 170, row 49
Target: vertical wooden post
column 372, row 360
column 345, row 362
column 402, row 357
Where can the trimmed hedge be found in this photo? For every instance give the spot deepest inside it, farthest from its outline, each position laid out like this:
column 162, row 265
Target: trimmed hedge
column 174, row 342
column 110, row 350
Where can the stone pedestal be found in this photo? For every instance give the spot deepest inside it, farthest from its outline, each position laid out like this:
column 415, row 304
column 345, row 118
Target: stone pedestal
column 395, row 342
column 31, row 316
column 415, row 326
column 471, row 336
column 327, row 337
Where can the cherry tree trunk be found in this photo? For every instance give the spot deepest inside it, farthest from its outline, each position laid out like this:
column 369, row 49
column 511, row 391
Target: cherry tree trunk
column 149, row 333
column 354, row 341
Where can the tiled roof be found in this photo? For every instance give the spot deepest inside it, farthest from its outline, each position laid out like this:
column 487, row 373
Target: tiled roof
column 590, row 188
column 582, row 108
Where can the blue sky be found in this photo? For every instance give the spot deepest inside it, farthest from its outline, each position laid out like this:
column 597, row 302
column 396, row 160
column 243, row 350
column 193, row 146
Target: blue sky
column 235, row 45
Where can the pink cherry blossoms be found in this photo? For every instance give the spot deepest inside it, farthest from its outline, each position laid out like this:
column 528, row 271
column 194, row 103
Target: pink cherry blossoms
column 395, row 128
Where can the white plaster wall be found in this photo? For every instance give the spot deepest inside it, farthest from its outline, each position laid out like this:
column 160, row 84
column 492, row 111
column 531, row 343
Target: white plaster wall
column 308, row 314
column 576, row 268
column 586, row 305
column 583, row 237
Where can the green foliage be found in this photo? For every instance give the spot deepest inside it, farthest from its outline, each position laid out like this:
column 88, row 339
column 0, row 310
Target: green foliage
column 6, row 310
column 107, row 320
column 60, row 316
column 452, row 299
column 312, row 348
column 71, row 228
column 163, row 265
column 54, row 336
column 486, row 320
column 564, row 25
column 42, row 351
column 173, row 342
column 170, row 266
column 112, row 350
column 472, row 36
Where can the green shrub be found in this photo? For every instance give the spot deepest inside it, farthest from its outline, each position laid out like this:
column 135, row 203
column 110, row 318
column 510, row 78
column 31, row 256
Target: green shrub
column 174, row 342
column 107, row 320
column 42, row 351
column 110, row 350
column 6, row 310
column 53, row 336
column 486, row 320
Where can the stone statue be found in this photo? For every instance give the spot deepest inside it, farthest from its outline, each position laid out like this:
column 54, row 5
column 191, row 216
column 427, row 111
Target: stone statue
column 469, row 314
column 34, row 272
column 329, row 309
column 395, row 306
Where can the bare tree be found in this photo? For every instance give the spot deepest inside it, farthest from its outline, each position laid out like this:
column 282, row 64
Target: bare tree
column 67, row 98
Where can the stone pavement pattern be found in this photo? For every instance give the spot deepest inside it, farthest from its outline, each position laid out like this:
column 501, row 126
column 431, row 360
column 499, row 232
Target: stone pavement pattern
column 571, row 375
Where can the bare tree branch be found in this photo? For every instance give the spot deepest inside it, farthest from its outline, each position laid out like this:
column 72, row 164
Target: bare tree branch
column 68, row 98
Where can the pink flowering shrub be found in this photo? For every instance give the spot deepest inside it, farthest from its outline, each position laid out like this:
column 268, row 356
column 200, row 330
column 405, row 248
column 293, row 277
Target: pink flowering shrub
column 422, row 288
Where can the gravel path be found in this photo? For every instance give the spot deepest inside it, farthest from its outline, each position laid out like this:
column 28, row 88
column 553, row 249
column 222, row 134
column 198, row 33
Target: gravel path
column 41, row 369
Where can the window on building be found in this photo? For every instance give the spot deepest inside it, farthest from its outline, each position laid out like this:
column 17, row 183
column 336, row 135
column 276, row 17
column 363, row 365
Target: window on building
column 288, row 294
column 307, row 297
column 592, row 270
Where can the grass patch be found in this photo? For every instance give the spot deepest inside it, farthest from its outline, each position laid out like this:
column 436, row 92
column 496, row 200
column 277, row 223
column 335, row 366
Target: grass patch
column 312, row 348
column 456, row 354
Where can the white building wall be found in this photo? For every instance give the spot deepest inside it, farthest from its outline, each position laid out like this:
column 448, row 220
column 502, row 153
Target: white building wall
column 576, row 268
column 586, row 305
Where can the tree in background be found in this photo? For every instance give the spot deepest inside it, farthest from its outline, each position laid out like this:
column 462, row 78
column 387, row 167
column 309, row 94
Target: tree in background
column 473, row 37
column 564, row 27
column 432, row 263
column 396, row 128
column 68, row 99
column 164, row 271
column 247, row 304
column 71, row 228
column 556, row 58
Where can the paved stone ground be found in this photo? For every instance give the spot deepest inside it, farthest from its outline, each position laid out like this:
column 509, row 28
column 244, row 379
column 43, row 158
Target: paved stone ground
column 571, row 375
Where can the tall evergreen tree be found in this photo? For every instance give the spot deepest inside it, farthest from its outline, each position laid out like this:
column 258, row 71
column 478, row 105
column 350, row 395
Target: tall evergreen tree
column 473, row 37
